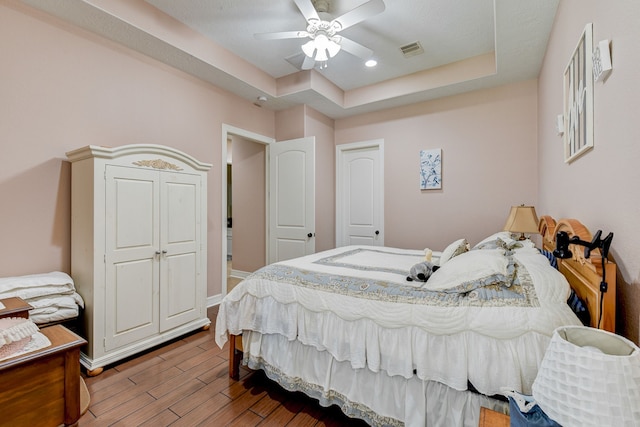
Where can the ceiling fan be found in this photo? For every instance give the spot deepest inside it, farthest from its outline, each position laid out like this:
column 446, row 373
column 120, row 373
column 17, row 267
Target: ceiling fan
column 324, row 40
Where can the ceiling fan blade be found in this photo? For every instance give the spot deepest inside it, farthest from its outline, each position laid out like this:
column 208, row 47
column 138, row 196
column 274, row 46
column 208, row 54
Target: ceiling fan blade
column 355, row 48
column 360, row 13
column 308, row 63
column 281, row 35
column 308, row 11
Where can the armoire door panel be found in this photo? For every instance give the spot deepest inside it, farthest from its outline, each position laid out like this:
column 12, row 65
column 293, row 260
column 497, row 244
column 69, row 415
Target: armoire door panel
column 179, row 303
column 131, row 214
column 131, row 300
column 134, row 205
column 181, row 208
column 180, row 225
column 132, row 239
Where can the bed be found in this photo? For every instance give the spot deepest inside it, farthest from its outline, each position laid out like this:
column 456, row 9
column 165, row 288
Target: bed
column 345, row 326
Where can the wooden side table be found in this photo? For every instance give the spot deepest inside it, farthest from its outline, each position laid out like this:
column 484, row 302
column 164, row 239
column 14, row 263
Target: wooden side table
column 490, row 418
column 43, row 387
column 15, row 307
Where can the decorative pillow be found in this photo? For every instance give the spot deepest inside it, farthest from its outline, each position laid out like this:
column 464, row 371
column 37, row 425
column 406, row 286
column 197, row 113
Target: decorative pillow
column 454, row 249
column 473, row 268
column 491, row 239
column 503, row 240
column 579, row 308
column 551, row 257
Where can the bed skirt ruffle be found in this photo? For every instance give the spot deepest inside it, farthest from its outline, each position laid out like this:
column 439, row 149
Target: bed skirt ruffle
column 376, row 397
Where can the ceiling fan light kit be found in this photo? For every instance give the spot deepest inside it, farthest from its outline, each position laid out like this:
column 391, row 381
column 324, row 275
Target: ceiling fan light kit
column 324, row 41
column 323, row 47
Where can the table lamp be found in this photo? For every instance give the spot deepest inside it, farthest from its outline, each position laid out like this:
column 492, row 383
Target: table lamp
column 522, row 219
column 589, row 377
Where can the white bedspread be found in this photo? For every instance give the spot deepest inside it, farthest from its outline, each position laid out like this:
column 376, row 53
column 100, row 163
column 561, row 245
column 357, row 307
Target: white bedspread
column 448, row 338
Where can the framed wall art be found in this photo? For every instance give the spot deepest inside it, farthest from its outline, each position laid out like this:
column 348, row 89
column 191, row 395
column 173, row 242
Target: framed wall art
column 431, row 169
column 578, row 98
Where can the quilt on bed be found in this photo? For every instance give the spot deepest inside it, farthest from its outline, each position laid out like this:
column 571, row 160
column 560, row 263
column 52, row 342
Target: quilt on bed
column 485, row 317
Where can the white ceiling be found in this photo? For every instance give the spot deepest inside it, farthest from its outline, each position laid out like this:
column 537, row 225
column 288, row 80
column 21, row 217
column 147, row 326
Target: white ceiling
column 516, row 31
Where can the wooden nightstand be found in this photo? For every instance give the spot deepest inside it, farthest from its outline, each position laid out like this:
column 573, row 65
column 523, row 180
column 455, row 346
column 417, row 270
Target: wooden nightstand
column 489, row 418
column 14, row 307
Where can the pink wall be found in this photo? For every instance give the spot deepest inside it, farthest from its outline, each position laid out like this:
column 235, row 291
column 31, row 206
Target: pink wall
column 488, row 141
column 598, row 188
column 62, row 88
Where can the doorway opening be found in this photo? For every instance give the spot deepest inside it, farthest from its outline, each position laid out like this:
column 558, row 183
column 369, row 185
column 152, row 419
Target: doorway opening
column 229, row 133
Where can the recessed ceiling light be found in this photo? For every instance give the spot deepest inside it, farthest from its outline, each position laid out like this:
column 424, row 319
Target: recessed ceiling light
column 371, row 63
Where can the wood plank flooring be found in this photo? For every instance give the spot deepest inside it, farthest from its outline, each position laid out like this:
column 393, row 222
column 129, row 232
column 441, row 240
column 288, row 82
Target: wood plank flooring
column 186, row 383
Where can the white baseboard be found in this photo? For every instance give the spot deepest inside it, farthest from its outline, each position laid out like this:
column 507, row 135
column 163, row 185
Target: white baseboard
column 216, row 299
column 239, row 274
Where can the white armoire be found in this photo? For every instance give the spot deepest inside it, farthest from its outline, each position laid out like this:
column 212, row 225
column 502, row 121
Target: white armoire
column 138, row 247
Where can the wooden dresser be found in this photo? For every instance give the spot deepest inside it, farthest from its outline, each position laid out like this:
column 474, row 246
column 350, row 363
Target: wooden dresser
column 42, row 388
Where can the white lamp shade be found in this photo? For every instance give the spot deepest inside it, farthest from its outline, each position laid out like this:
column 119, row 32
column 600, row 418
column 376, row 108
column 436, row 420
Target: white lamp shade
column 309, row 48
column 321, row 48
column 589, row 377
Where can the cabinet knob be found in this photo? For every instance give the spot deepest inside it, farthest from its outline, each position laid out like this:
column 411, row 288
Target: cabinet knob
column 309, row 235
column 157, row 252
column 377, row 232
column 164, row 252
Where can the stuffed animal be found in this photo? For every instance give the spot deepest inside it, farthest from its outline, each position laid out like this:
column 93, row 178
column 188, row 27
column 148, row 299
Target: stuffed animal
column 422, row 271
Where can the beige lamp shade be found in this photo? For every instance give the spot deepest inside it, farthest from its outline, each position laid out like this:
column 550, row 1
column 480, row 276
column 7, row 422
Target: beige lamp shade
column 522, row 219
column 589, row 377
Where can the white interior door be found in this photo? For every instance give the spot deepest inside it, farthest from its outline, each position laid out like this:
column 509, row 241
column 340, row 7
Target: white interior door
column 291, row 199
column 360, row 194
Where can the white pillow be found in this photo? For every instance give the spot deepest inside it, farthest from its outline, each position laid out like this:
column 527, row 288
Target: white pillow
column 456, row 248
column 504, row 240
column 494, row 236
column 467, row 267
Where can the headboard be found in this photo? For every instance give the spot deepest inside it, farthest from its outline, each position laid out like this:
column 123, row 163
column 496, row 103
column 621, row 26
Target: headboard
column 584, row 275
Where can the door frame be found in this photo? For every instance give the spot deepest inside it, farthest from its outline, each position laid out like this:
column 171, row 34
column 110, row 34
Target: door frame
column 228, row 130
column 340, row 152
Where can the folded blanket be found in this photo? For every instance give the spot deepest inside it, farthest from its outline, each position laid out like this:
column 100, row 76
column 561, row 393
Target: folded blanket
column 52, row 314
column 35, row 286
